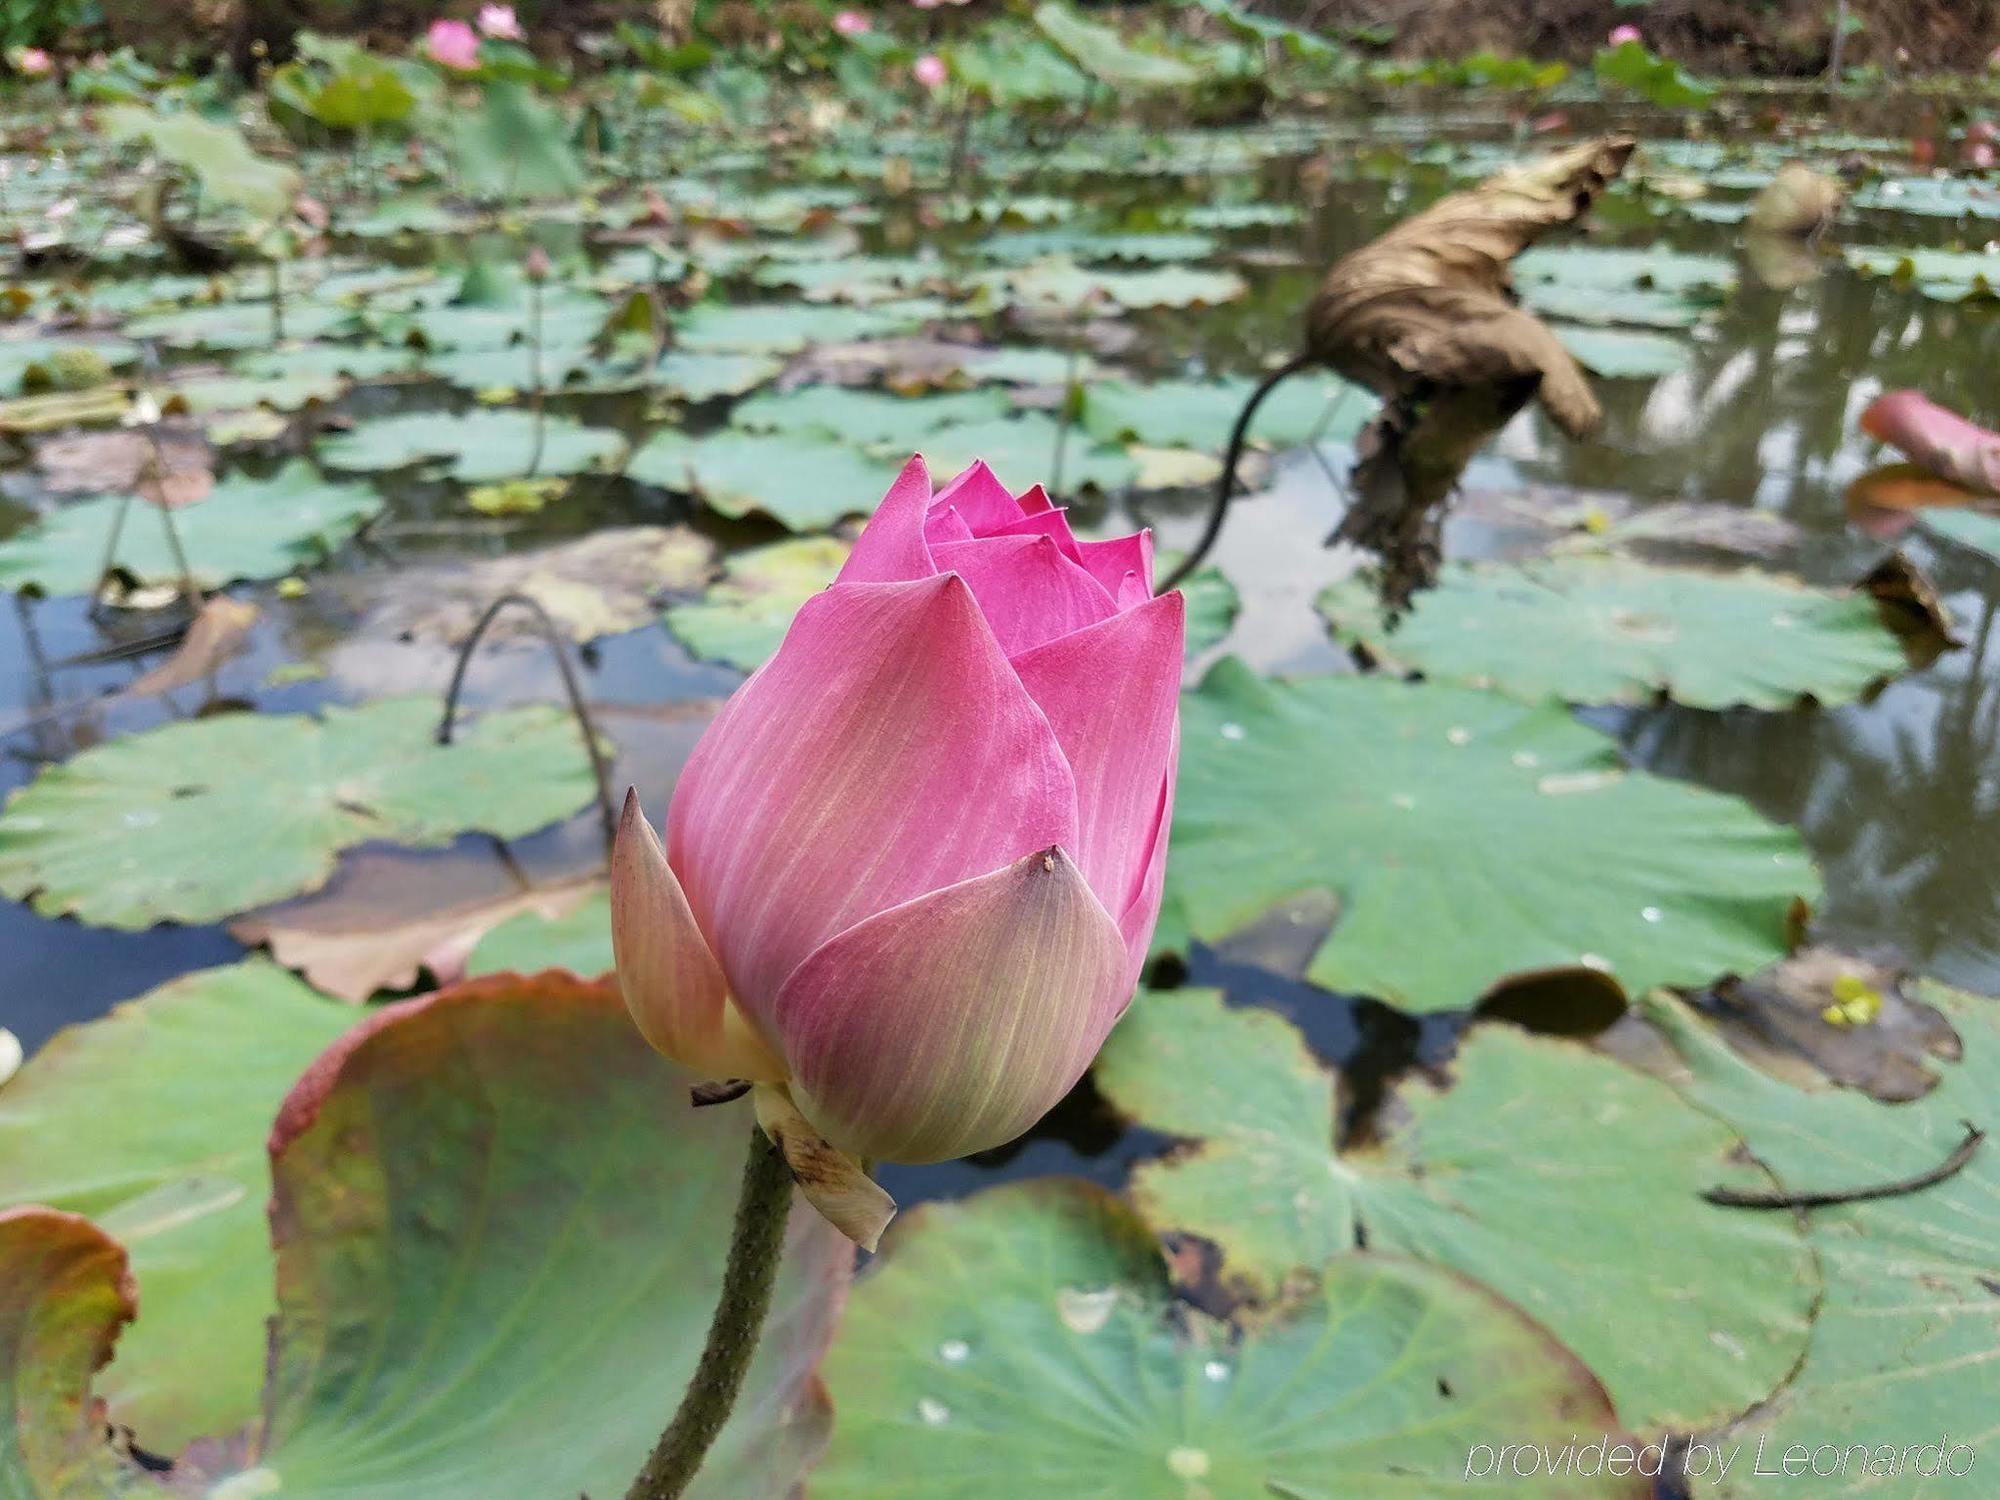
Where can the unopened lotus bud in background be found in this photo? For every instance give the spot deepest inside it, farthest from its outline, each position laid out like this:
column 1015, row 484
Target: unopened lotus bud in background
column 500, row 21
column 911, row 871
column 1937, row 439
column 536, row 263
column 452, row 44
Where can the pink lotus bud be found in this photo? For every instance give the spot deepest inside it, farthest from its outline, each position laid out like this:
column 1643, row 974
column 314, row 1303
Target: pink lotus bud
column 536, row 263
column 31, row 62
column 929, row 70
column 912, row 869
column 852, row 23
column 1979, row 156
column 500, row 21
column 1936, row 439
column 934, row 4
column 452, row 44
column 1620, row 35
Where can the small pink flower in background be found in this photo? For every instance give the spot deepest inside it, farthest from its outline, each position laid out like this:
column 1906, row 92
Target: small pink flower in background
column 499, row 21
column 929, row 70
column 32, row 62
column 1979, row 156
column 1620, row 35
column 934, row 4
column 852, row 23
column 453, row 44
column 536, row 263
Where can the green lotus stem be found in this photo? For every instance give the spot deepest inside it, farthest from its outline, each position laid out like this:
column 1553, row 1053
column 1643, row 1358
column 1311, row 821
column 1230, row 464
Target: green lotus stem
column 755, row 1245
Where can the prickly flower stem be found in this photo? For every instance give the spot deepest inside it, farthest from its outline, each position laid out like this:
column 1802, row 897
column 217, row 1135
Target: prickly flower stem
column 754, row 1248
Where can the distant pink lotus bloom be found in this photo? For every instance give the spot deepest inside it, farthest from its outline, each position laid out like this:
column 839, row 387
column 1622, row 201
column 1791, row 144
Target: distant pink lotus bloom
column 934, row 4
column 1620, row 35
column 929, row 70
column 453, row 44
column 1979, row 156
column 33, row 62
column 852, row 23
column 500, row 21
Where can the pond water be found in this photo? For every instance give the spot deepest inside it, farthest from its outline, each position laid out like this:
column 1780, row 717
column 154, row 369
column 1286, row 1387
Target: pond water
column 1894, row 795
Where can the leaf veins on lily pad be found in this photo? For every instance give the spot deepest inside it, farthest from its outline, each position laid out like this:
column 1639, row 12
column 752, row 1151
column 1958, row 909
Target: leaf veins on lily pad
column 1466, row 837
column 201, row 819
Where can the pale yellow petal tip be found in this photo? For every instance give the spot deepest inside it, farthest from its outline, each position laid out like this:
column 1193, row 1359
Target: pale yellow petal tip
column 834, row 1182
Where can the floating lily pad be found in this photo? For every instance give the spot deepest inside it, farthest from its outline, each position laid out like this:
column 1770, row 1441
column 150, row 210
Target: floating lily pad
column 787, row 327
column 1971, row 529
column 694, row 376
column 176, row 1172
column 527, row 943
column 1607, row 630
column 64, row 1295
column 476, row 446
column 745, row 615
column 1086, row 246
column 1466, row 837
column 1614, row 269
column 1199, row 414
column 1212, row 607
column 246, row 528
column 1033, row 1321
column 38, row 364
column 867, row 419
column 806, row 483
column 201, row 819
column 1062, row 284
column 1907, row 1324
column 499, row 1230
column 1622, row 353
column 239, row 325
column 1542, row 1170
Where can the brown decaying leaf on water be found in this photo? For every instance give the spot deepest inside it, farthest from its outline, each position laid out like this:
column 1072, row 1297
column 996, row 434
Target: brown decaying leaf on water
column 110, row 463
column 216, row 634
column 1425, row 316
column 1803, row 1018
column 1781, row 236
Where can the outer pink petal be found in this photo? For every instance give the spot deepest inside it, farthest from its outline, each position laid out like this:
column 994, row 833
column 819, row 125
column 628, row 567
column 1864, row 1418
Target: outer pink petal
column 1049, row 522
column 1109, row 562
column 1034, row 499
column 981, row 498
column 1028, row 590
column 1937, row 438
column 1112, row 695
column 1137, row 921
column 891, row 547
column 671, row 981
column 944, row 524
column 952, row 1023
column 886, row 750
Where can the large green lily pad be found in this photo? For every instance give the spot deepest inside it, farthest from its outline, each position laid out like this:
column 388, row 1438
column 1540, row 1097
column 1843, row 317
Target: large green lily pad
column 1465, row 836
column 475, row 446
column 175, row 1172
column 805, row 482
column 1974, row 530
column 1565, row 1181
column 528, row 942
column 1624, row 353
column 1904, row 1342
column 1020, row 1343
column 787, row 327
column 64, row 1295
column 1610, row 630
column 499, row 1229
column 245, row 528
column 205, row 818
column 867, row 419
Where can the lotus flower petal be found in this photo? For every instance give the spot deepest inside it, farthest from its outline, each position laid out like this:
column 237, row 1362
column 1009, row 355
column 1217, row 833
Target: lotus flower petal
column 1049, row 522
column 1937, row 438
column 1112, row 693
column 1137, row 921
column 672, row 984
column 887, row 750
column 1109, row 562
column 891, row 548
column 953, row 1022
column 834, row 1181
column 1028, row 591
